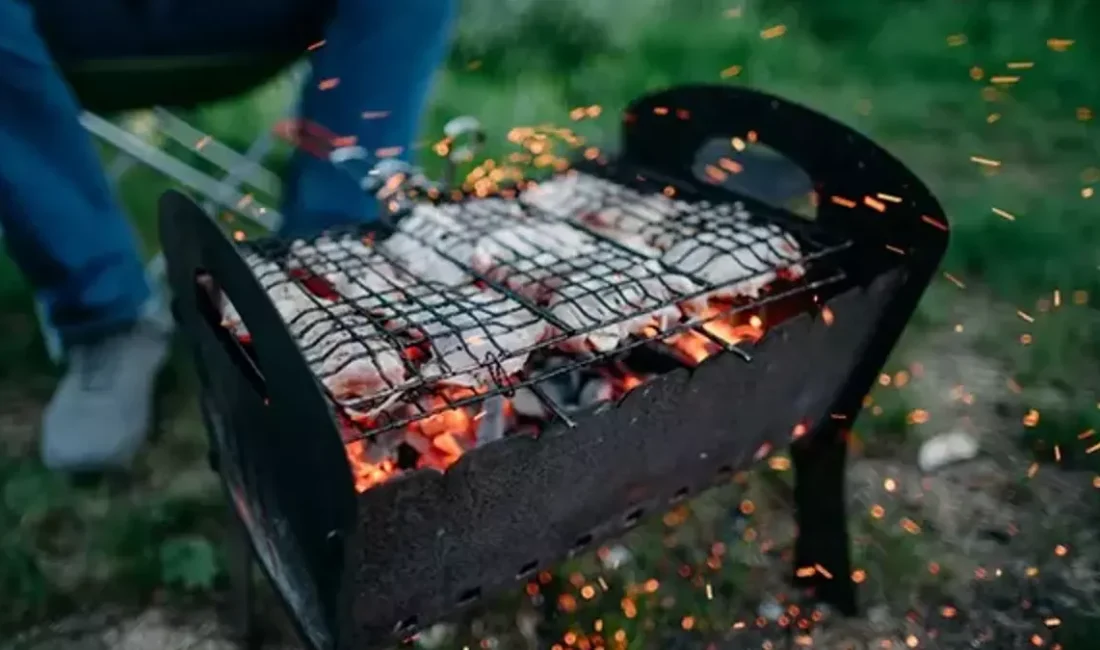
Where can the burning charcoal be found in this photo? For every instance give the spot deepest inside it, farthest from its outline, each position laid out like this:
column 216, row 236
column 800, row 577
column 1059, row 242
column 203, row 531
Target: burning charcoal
column 527, row 404
column 407, row 456
column 492, row 424
column 560, row 392
column 570, row 380
column 596, row 390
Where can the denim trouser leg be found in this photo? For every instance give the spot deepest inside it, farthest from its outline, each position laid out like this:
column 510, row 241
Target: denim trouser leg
column 382, row 56
column 61, row 223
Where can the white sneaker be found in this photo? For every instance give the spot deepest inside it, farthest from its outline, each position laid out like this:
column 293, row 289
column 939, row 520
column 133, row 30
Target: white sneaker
column 100, row 414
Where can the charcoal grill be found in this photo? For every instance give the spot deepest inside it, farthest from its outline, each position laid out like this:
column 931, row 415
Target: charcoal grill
column 363, row 569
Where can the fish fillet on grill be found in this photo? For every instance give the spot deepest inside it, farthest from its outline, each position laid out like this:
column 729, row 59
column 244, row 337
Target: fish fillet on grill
column 531, row 258
column 419, row 239
column 348, row 352
column 289, row 298
column 616, row 300
column 741, row 260
column 621, row 208
column 505, row 244
column 629, row 217
column 564, row 196
column 352, row 268
column 476, row 336
column 342, row 347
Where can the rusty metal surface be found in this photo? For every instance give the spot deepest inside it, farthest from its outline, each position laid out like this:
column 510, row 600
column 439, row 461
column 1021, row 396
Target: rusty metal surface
column 362, row 571
column 427, row 543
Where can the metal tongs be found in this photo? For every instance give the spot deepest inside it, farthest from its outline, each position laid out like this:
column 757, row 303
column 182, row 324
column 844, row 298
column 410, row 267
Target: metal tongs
column 396, row 183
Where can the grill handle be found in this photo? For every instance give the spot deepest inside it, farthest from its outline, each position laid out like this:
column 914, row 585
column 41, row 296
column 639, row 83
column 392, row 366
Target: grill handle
column 664, row 131
column 305, row 440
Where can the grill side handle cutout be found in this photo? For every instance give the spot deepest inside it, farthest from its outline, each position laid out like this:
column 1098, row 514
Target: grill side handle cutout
column 757, row 171
column 243, row 358
column 861, row 190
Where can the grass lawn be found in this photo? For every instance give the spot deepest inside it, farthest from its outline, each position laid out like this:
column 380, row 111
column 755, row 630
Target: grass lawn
column 938, row 82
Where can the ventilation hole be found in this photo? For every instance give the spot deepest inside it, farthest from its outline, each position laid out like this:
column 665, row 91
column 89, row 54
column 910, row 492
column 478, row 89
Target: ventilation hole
column 407, row 624
column 582, row 541
column 633, row 517
column 681, row 493
column 527, row 569
column 469, row 596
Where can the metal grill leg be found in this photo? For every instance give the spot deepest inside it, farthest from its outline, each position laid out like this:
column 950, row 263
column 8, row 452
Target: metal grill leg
column 239, row 555
column 241, row 563
column 821, row 516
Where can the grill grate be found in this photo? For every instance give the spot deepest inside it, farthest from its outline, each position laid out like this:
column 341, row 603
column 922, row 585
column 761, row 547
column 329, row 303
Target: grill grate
column 463, row 293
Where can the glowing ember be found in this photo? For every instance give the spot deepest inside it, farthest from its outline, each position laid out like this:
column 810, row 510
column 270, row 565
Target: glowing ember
column 697, row 347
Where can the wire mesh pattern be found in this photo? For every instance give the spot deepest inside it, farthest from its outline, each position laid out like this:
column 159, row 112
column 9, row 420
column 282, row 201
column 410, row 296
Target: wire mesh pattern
column 465, row 293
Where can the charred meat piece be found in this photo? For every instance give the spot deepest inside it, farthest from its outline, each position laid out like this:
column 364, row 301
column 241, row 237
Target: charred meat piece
column 351, row 269
column 740, row 261
column 476, row 337
column 353, row 359
column 633, row 219
column 418, row 241
column 342, row 347
column 564, row 196
column 289, row 298
column 616, row 299
column 532, row 258
column 728, row 250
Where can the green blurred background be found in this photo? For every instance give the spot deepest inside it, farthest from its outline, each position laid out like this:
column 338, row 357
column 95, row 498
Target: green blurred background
column 935, row 81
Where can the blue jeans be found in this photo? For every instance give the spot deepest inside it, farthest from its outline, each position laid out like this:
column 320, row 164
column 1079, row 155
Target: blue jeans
column 61, row 222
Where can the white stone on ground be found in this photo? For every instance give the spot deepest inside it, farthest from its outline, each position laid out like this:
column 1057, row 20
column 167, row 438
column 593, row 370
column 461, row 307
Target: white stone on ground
column 946, row 449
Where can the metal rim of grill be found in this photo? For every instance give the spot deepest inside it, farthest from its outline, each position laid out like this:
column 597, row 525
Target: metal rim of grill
column 411, row 294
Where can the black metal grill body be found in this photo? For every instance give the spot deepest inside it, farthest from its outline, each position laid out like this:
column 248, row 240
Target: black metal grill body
column 365, row 570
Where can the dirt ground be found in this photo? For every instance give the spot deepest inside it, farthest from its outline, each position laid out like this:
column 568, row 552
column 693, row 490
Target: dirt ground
column 1010, row 582
column 996, row 552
